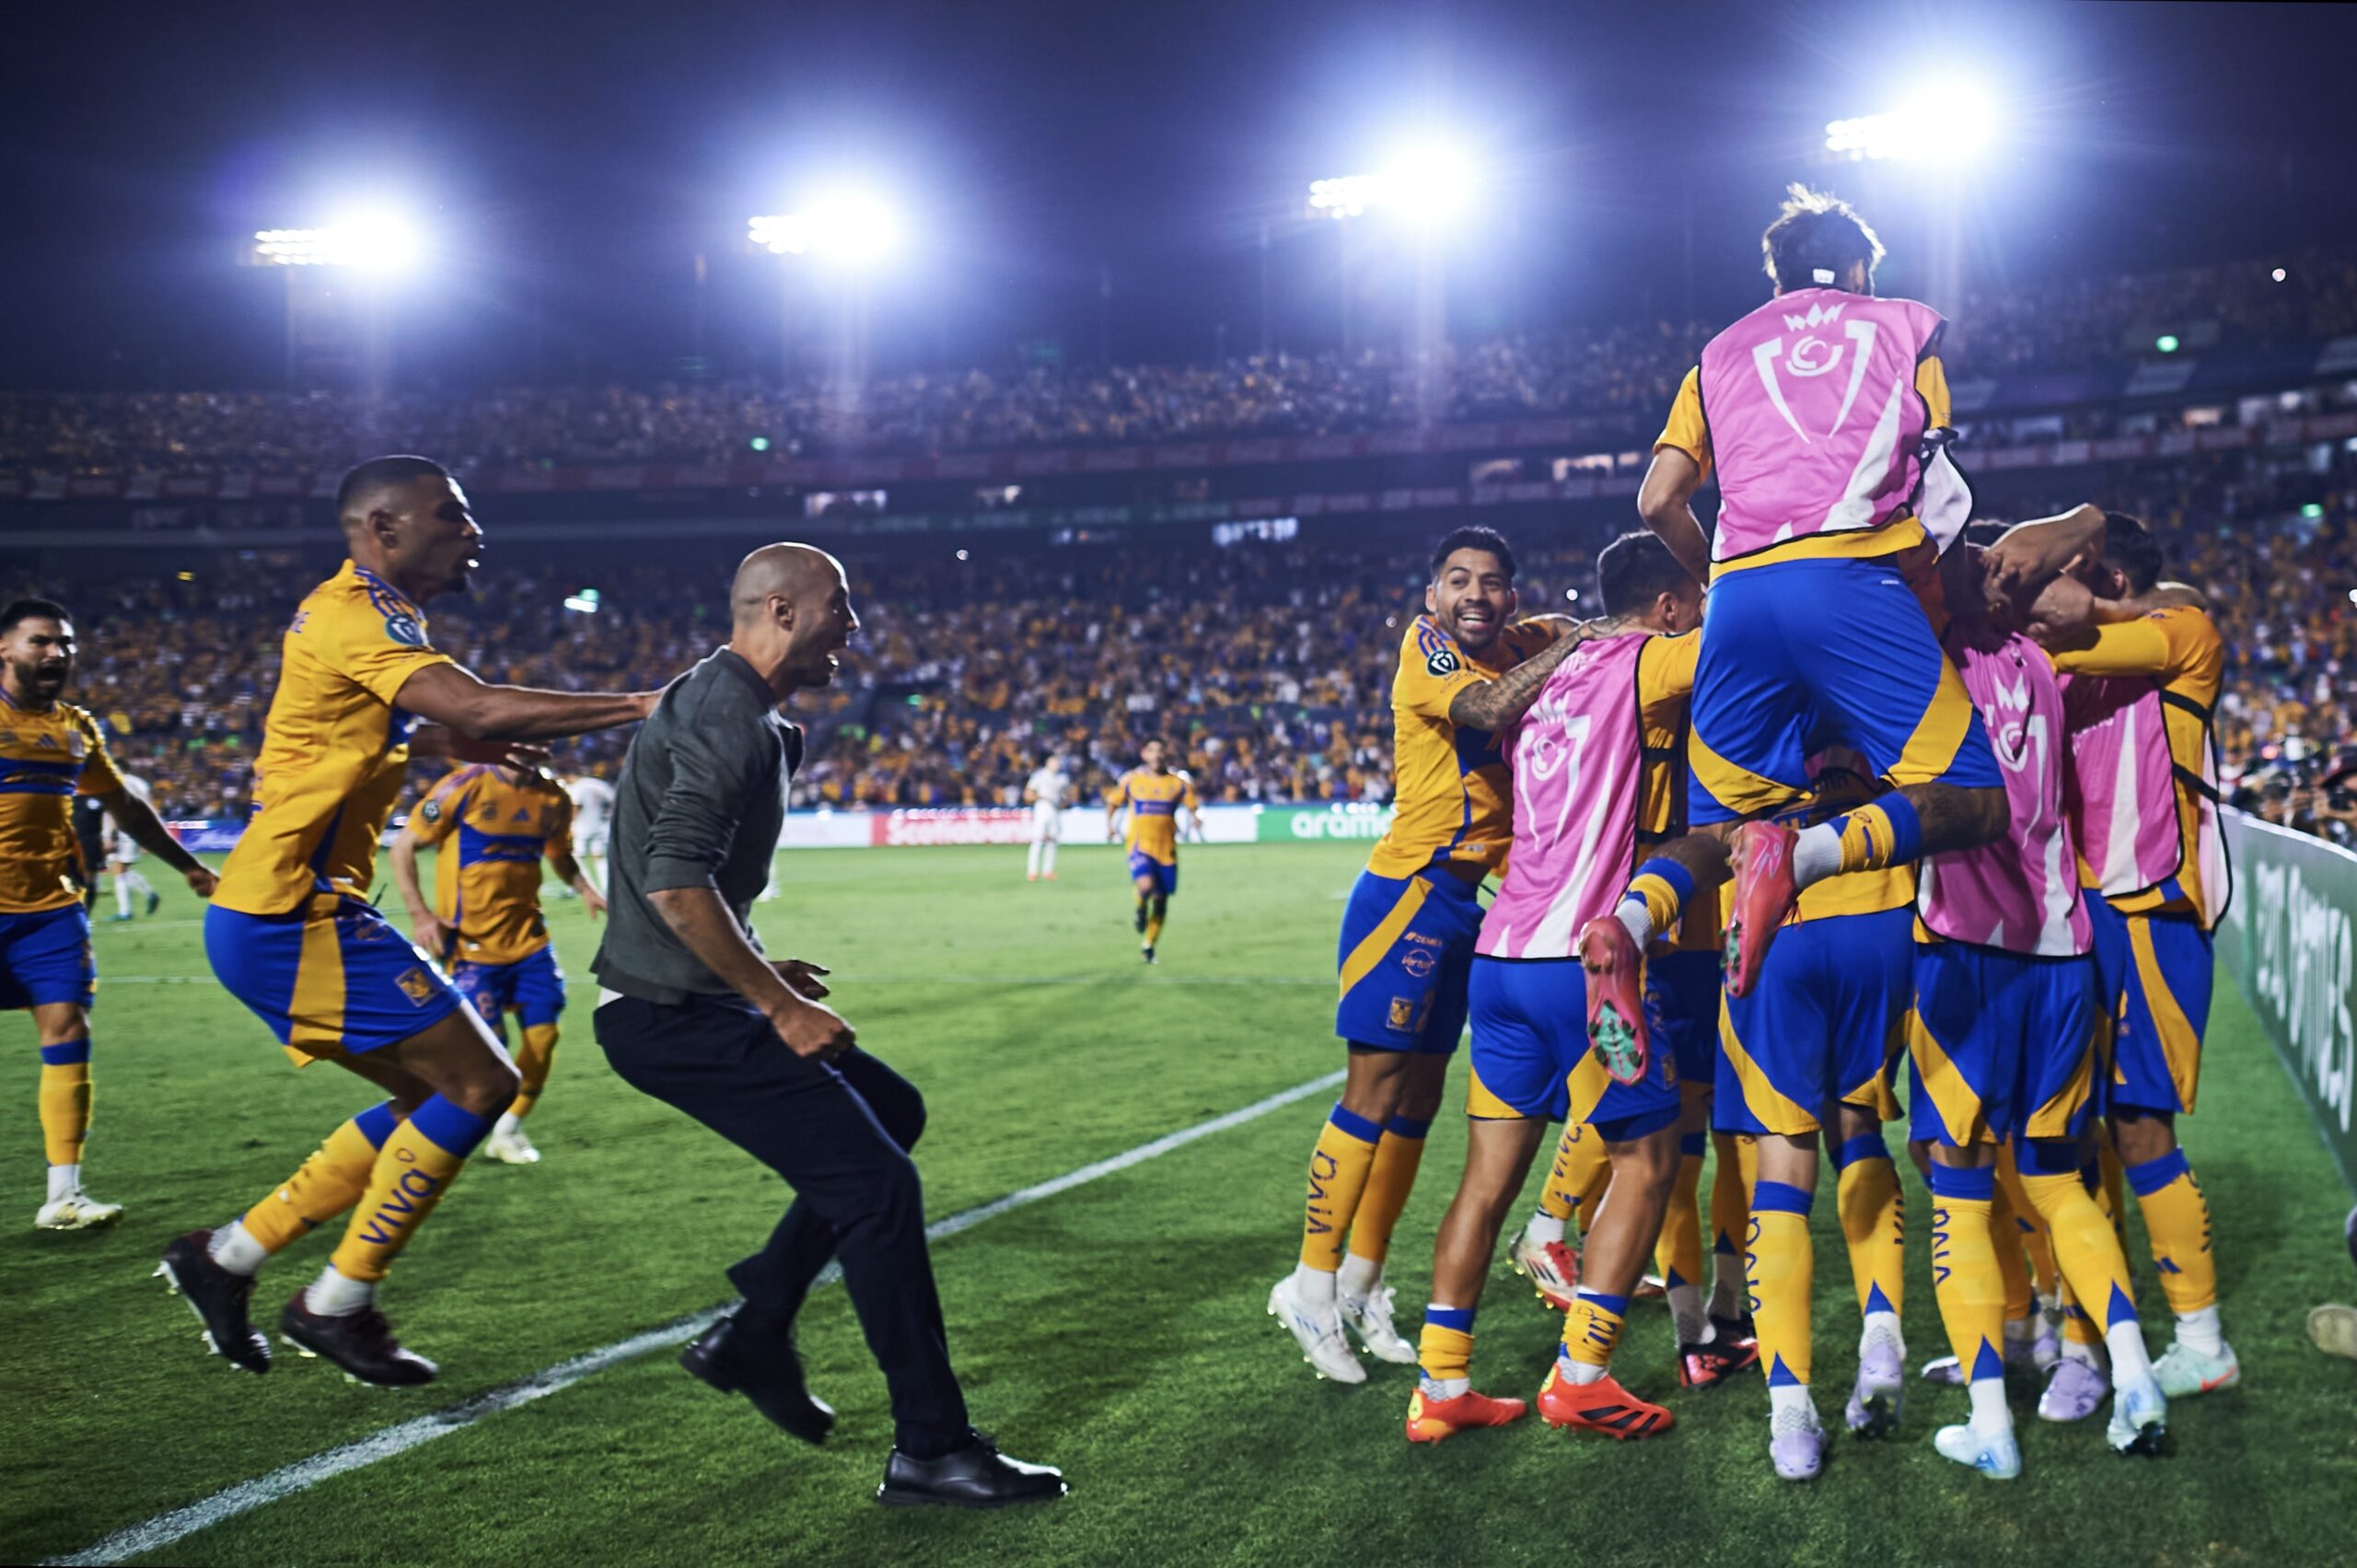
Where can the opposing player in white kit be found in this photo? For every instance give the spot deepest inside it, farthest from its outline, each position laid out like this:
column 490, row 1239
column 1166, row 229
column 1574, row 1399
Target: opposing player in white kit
column 593, row 809
column 1046, row 791
column 122, row 856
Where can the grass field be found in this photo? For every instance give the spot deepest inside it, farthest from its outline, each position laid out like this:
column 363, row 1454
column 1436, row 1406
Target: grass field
column 1115, row 1329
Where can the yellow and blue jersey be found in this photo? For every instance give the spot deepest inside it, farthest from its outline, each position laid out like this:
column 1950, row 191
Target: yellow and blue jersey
column 1153, row 800
column 1450, row 787
column 492, row 833
column 47, row 757
column 334, row 748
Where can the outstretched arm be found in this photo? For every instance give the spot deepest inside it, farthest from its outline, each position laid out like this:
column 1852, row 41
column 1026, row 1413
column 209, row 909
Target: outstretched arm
column 455, row 697
column 138, row 819
column 1490, row 705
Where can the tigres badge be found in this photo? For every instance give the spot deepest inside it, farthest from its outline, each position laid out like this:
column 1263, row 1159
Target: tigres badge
column 417, row 985
column 1403, row 1012
column 431, row 811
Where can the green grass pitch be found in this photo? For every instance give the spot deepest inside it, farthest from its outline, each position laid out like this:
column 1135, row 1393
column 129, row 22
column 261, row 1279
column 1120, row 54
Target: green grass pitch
column 1116, row 1329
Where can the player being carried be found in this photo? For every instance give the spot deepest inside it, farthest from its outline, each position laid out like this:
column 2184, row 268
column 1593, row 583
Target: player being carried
column 484, row 924
column 1046, row 791
column 293, row 936
column 51, row 752
column 1154, row 793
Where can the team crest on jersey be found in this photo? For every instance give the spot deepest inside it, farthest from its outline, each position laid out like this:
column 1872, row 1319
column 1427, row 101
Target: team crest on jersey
column 431, row 811
column 1403, row 1012
column 1441, row 661
column 404, row 630
column 417, row 985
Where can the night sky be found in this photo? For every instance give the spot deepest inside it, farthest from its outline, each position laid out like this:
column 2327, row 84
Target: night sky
column 569, row 162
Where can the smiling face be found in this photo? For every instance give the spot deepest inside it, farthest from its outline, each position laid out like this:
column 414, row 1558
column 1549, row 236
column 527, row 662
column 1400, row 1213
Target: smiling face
column 39, row 654
column 1472, row 597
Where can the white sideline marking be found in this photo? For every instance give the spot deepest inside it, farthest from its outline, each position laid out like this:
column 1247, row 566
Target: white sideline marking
column 301, row 1476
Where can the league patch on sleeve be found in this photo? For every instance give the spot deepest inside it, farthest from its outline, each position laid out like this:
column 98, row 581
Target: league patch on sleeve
column 1441, row 661
column 404, row 630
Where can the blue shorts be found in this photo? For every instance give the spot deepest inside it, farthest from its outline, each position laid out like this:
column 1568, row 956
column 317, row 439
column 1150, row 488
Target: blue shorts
column 2002, row 1044
column 1406, row 946
column 1798, row 655
column 1166, row 877
column 1531, row 1054
column 1828, row 1012
column 330, row 979
column 532, row 988
column 46, row 957
column 1682, row 1014
column 2153, row 975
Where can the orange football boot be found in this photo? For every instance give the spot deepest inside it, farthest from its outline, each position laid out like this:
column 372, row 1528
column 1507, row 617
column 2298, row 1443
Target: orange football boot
column 1601, row 1406
column 1429, row 1421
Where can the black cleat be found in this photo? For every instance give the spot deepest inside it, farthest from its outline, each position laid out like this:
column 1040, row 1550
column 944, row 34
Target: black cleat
column 360, row 1342
column 1736, row 1330
column 219, row 1298
column 977, row 1476
column 773, row 1383
column 1141, row 921
column 1711, row 1362
column 1147, row 954
column 155, row 901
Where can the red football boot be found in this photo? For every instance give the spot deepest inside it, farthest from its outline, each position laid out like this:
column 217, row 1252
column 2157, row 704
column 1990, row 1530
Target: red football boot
column 1601, row 1406
column 1764, row 896
column 1712, row 1361
column 1552, row 1268
column 1616, row 998
column 1430, row 1420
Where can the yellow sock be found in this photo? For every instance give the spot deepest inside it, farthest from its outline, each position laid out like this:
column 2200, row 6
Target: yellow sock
column 2045, row 1278
column 1730, row 1220
column 1153, row 930
column 1338, row 1167
column 2113, row 1178
column 329, row 1182
column 1873, row 1223
column 2087, row 1252
column 65, row 1101
column 1663, row 902
column 1580, row 1171
column 1593, row 1326
column 1387, row 1184
column 1678, row 1256
column 1884, row 834
column 2013, row 1263
column 534, row 1057
column 2176, row 1222
column 416, row 1166
column 1965, row 1278
column 1781, row 1270
column 1444, row 1350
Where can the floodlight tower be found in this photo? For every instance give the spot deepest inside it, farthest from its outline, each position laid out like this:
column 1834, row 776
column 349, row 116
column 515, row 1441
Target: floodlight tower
column 337, row 328
column 1423, row 189
column 848, row 235
column 1926, row 151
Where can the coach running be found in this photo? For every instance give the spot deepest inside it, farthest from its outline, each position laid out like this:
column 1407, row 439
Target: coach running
column 692, row 1013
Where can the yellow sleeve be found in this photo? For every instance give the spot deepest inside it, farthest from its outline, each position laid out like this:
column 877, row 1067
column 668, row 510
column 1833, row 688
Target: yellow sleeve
column 438, row 814
column 1432, row 672
column 2164, row 645
column 1120, row 793
column 1665, row 683
column 98, row 775
column 375, row 650
column 1932, row 385
column 1189, row 799
column 1686, row 430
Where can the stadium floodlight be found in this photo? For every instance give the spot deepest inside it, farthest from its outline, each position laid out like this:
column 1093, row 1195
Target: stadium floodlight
column 851, row 227
column 1424, row 185
column 1946, row 122
column 376, row 241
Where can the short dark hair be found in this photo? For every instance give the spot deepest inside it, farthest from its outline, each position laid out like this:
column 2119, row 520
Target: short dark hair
column 26, row 609
column 1985, row 531
column 2130, row 545
column 1814, row 240
column 1636, row 569
column 1473, row 537
column 380, row 472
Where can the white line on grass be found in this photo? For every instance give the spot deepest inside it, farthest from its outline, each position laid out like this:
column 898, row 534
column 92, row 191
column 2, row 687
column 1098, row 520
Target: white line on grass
column 180, row 1523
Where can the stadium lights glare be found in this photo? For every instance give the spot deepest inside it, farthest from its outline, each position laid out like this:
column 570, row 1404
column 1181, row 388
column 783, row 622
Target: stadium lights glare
column 376, row 242
column 1948, row 123
column 1425, row 186
column 2312, row 511
column 848, row 227
column 2277, row 275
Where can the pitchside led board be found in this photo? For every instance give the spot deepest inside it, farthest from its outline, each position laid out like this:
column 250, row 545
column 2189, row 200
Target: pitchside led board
column 2288, row 941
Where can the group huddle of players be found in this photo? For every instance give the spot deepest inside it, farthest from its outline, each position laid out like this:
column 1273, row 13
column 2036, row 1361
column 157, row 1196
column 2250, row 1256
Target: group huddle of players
column 1910, row 793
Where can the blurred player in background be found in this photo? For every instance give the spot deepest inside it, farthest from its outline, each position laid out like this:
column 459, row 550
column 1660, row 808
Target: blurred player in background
column 593, row 811
column 1046, row 791
column 294, row 936
column 491, row 825
column 123, row 857
column 1154, row 794
column 52, row 751
column 90, row 836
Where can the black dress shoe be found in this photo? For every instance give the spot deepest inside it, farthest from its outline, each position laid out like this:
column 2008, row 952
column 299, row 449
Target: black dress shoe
column 219, row 1299
column 360, row 1342
column 773, row 1382
column 977, row 1476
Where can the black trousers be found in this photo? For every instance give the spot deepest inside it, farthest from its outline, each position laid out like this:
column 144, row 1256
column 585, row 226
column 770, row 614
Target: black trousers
column 839, row 1135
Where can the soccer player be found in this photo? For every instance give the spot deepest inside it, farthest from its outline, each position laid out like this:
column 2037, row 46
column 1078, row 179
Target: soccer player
column 1827, row 424
column 1154, row 796
column 2002, row 1048
column 1466, row 669
column 123, row 857
column 2142, row 688
column 293, row 936
column 1594, row 766
column 1045, row 792
column 51, row 752
column 485, row 923
column 593, row 808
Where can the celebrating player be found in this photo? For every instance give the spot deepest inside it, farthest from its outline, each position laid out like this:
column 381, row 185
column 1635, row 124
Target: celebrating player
column 1594, row 769
column 52, row 751
column 484, row 923
column 1045, row 792
column 292, row 933
column 123, row 857
column 593, row 808
column 1154, row 796
column 1466, row 669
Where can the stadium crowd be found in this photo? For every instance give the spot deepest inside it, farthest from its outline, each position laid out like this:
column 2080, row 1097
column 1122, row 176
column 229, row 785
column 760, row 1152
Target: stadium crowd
column 1629, row 370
